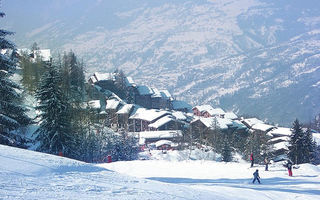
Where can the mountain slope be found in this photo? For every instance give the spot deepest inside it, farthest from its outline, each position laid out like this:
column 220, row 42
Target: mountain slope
column 26, row 174
column 253, row 57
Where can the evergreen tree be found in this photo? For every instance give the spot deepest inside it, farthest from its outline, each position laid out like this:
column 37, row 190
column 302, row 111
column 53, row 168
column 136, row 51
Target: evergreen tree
column 54, row 134
column 226, row 151
column 296, row 143
column 309, row 147
column 12, row 113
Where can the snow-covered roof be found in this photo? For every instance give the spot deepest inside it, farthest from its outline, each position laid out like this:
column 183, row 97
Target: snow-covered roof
column 156, row 93
column 211, row 121
column 280, row 131
column 230, row 115
column 95, row 104
column 262, row 127
column 281, row 145
column 92, row 79
column 104, row 76
column 145, row 90
column 203, row 108
column 216, row 111
column 148, row 114
column 208, row 108
column 179, row 115
column 162, row 121
column 160, row 134
column 252, row 121
column 125, row 109
column 279, row 139
column 112, row 104
column 129, row 81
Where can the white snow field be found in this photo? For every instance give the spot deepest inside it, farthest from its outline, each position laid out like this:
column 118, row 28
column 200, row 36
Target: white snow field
column 27, row 174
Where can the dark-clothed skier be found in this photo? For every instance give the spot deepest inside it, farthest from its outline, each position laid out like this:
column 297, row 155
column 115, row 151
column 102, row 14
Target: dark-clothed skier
column 256, row 176
column 289, row 166
column 251, row 159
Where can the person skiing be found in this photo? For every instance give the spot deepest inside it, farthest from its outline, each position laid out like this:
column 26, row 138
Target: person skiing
column 266, row 162
column 251, row 159
column 256, row 176
column 289, row 166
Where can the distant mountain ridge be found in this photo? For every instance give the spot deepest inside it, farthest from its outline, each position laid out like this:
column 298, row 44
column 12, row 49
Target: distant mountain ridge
column 253, row 57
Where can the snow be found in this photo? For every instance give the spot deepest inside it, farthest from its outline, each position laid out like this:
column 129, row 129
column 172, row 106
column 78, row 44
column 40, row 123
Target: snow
column 204, row 108
column 252, row 121
column 104, row 76
column 230, row 115
column 162, row 121
column 32, row 175
column 112, row 104
column 125, row 109
column 316, row 137
column 95, row 104
column 281, row 145
column 160, row 134
column 163, row 142
column 148, row 114
column 226, row 180
column 281, row 131
column 211, row 121
column 262, row 127
column 144, row 90
column 179, row 115
column 44, row 53
column 129, row 81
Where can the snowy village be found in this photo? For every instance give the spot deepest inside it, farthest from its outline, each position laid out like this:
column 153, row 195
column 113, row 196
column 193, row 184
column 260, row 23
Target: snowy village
column 72, row 129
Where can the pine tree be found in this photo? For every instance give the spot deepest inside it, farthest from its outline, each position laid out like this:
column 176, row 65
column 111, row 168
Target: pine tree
column 12, row 113
column 226, row 151
column 296, row 143
column 309, row 147
column 54, row 134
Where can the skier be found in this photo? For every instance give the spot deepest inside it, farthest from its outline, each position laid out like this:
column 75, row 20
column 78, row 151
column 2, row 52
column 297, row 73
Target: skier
column 289, row 166
column 266, row 162
column 256, row 176
column 251, row 159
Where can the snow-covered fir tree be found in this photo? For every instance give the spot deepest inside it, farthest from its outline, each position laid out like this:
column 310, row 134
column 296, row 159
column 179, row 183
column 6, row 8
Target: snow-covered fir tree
column 309, row 147
column 226, row 151
column 301, row 144
column 12, row 112
column 54, row 134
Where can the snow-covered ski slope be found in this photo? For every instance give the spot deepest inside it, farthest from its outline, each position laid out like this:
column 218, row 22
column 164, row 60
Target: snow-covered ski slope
column 31, row 175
